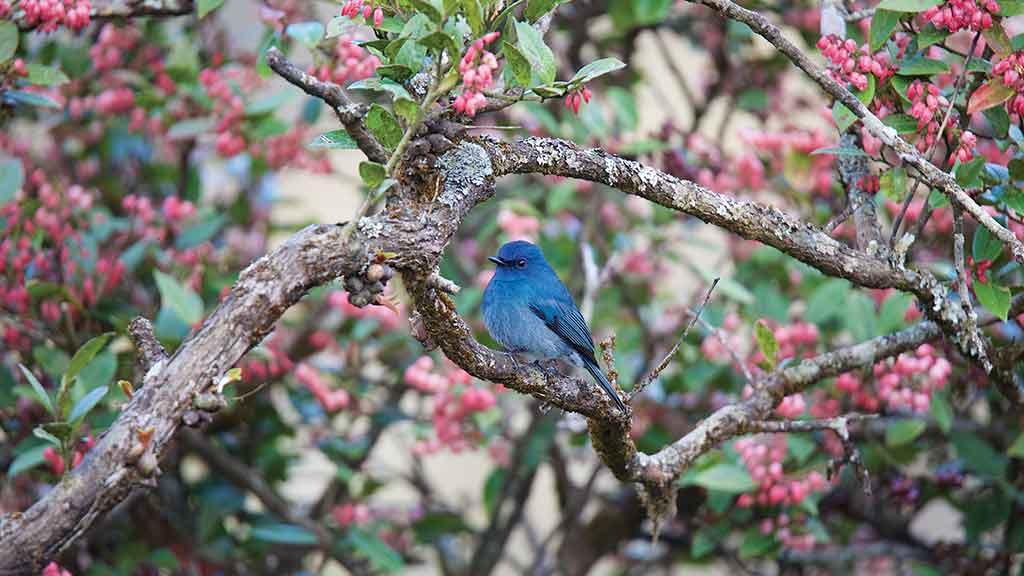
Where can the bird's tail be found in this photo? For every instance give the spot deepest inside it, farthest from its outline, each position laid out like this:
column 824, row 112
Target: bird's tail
column 598, row 375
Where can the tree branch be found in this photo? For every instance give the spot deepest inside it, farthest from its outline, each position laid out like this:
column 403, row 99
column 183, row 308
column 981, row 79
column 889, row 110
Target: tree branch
column 931, row 174
column 350, row 114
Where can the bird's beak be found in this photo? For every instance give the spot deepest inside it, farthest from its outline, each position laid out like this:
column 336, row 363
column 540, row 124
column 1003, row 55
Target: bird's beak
column 496, row 260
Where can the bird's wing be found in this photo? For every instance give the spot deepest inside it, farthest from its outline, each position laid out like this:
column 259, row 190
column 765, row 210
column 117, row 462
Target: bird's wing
column 566, row 321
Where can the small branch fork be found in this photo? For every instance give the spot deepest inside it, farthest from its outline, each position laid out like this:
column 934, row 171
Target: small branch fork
column 841, row 426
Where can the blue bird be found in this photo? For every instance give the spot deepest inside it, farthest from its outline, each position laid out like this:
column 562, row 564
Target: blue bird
column 528, row 310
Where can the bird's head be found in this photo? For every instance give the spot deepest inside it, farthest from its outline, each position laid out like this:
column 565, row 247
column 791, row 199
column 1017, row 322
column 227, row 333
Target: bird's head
column 519, row 257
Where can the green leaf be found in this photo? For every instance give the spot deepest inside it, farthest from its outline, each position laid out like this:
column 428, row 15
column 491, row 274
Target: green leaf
column 724, row 477
column 930, row 35
column 492, row 487
column 922, row 67
column 370, row 546
column 32, row 99
column 907, row 5
column 843, row 117
column 334, row 140
column 384, row 126
column 766, row 342
column 537, row 8
column 268, row 104
column 1016, row 449
column 178, row 298
column 995, row 36
column 38, row 390
column 381, row 85
column 43, row 434
column 428, row 9
column 517, row 65
column 12, row 177
column 801, row 447
column 985, row 246
column 840, row 151
column 190, row 129
column 903, row 123
column 1009, row 8
column 440, row 41
column 474, row 15
column 893, row 183
column 969, row 175
column 826, row 302
column 999, row 119
column 372, row 173
column 703, row 543
column 26, row 461
column 204, row 7
column 407, row 109
column 995, row 299
column 8, row 40
column 756, row 544
column 200, row 232
column 883, row 23
column 308, row 34
column 433, row 526
column 903, row 432
column 283, row 534
column 46, row 75
column 84, row 355
column 597, row 68
column 86, row 404
column 978, row 455
column 536, row 52
column 941, row 411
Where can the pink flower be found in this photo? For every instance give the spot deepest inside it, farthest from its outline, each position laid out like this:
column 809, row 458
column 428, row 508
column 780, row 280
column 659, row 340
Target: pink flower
column 477, row 67
column 577, row 97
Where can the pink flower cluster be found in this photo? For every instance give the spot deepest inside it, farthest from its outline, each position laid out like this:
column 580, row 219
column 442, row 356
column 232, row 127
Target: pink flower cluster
column 58, row 217
column 965, row 149
column 906, row 384
column 354, row 8
column 229, row 109
column 763, row 456
column 49, row 15
column 388, row 318
column 791, row 533
column 1011, row 68
column 352, row 62
column 54, row 569
column 477, row 68
column 928, row 106
column 311, row 378
column 5, row 9
column 575, row 98
column 455, row 400
column 350, row 514
column 111, row 46
column 56, row 462
column 851, row 63
column 956, row 15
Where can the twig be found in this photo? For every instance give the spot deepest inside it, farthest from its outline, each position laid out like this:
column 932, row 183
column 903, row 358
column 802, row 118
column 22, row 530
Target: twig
column 443, row 284
column 653, row 375
column 150, row 351
column 938, row 137
column 841, row 426
column 717, row 332
column 971, row 326
column 350, row 114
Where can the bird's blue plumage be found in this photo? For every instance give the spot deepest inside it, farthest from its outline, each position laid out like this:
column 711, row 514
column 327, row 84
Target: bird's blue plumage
column 528, row 310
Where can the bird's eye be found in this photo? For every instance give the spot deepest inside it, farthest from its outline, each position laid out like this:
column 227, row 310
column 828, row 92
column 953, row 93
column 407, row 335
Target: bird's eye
column 521, row 263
